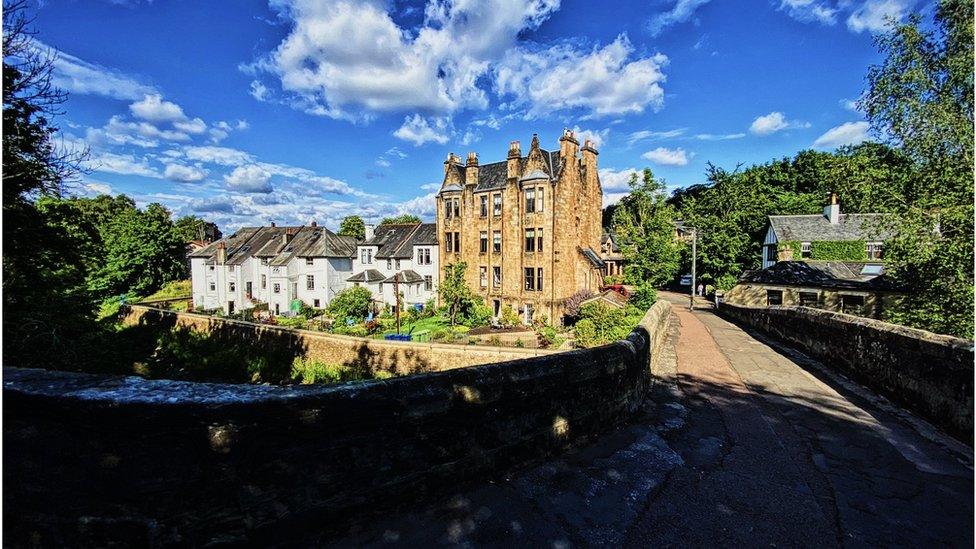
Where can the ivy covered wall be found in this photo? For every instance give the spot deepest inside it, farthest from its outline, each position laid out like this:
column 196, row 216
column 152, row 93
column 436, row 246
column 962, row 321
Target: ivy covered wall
column 829, row 250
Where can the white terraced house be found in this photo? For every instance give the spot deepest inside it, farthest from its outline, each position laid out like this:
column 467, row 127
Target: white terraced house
column 407, row 250
column 280, row 266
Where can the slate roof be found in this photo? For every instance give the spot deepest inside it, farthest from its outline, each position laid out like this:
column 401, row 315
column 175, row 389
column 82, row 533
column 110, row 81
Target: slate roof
column 594, row 258
column 397, row 241
column 610, row 297
column 840, row 275
column 268, row 242
column 368, row 276
column 813, row 228
column 495, row 175
column 408, row 276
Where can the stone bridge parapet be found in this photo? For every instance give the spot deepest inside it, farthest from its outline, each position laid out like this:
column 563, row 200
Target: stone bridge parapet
column 96, row 460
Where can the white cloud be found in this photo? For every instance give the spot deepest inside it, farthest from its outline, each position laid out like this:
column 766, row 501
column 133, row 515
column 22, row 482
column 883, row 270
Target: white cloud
column 873, row 15
column 681, row 12
column 609, row 199
column 718, row 137
column 123, row 164
column 249, row 179
column 184, row 174
column 654, row 135
column 417, row 130
column 810, row 10
column 849, row 104
column 598, row 137
column 98, row 188
column 117, row 131
column 774, row 122
column 382, row 162
column 603, row 81
column 862, row 15
column 616, row 180
column 217, row 155
column 668, row 157
column 81, row 77
column 152, row 107
column 350, row 60
column 195, row 126
column 343, row 56
column 848, row 133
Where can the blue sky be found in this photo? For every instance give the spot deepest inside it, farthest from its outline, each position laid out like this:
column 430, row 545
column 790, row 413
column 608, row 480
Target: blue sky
column 245, row 112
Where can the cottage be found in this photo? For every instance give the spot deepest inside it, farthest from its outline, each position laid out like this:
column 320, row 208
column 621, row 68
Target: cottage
column 402, row 256
column 831, row 236
column 280, row 266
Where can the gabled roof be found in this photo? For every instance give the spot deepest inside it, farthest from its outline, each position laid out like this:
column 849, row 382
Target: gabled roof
column 368, row 276
column 609, row 297
column 821, row 274
column 269, row 242
column 406, row 277
column 813, row 228
column 396, row 241
column 594, row 258
column 495, row 174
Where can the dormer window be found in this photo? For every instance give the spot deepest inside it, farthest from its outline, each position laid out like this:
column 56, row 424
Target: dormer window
column 804, row 249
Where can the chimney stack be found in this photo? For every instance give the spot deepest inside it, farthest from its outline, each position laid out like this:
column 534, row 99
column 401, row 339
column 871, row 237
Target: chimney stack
column 514, row 157
column 832, row 209
column 273, row 224
column 471, row 169
column 313, row 224
column 370, row 230
column 568, row 145
column 221, row 253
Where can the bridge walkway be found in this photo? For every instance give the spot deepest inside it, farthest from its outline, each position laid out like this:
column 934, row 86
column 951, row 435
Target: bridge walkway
column 744, row 443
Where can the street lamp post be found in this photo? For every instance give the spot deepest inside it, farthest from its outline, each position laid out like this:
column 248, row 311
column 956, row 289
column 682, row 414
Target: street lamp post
column 694, row 265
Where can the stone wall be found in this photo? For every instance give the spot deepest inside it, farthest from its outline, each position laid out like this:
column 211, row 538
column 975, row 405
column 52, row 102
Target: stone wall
column 94, row 460
column 928, row 373
column 754, row 295
column 401, row 357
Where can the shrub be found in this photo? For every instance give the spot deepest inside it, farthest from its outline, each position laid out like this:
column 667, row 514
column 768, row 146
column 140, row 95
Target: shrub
column 494, row 341
column 480, row 316
column 430, row 309
column 574, row 301
column 509, row 318
column 547, row 336
column 519, row 343
column 352, row 303
column 357, row 330
column 644, row 297
column 307, row 371
column 585, row 333
column 298, row 322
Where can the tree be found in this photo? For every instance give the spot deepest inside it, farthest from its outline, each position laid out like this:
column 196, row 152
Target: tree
column 454, row 291
column 351, row 304
column 400, row 220
column 191, row 227
column 920, row 100
column 644, row 223
column 352, row 225
column 46, row 308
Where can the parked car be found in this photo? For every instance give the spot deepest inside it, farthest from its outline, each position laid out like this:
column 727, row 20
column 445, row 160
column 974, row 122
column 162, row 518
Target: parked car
column 685, row 280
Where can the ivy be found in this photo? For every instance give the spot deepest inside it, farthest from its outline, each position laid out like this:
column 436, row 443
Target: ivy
column 851, row 250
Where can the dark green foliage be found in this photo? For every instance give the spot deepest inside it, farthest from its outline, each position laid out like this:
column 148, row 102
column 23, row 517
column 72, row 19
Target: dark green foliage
column 643, row 222
column 853, row 250
column 600, row 324
column 400, row 219
column 920, row 98
column 191, row 227
column 644, row 297
column 352, row 225
column 351, row 304
column 455, row 293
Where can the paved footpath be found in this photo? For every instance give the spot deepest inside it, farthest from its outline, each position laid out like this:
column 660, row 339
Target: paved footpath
column 744, row 443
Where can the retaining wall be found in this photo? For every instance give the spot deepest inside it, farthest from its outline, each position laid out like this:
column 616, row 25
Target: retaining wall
column 96, row 460
column 401, row 357
column 928, row 373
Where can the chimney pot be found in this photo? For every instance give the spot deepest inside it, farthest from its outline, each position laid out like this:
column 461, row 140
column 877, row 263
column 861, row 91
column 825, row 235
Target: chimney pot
column 273, row 224
column 472, row 159
column 314, row 224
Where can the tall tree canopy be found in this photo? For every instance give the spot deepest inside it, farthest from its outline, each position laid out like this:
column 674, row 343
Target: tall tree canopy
column 920, row 100
column 352, row 225
column 400, row 219
column 643, row 222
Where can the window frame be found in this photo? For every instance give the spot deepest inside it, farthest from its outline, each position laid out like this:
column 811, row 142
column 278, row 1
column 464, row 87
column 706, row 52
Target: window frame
column 496, row 242
column 483, row 276
column 805, row 248
column 529, row 276
column 769, row 294
column 483, row 242
column 309, row 282
column 276, row 288
column 428, row 283
column 496, row 204
column 232, row 286
column 309, row 261
column 529, row 199
column 496, row 276
column 529, row 240
column 484, row 205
